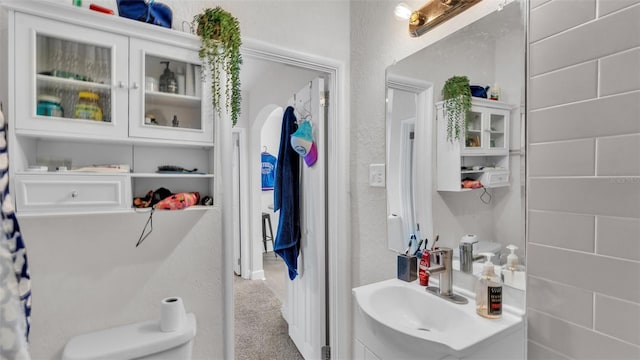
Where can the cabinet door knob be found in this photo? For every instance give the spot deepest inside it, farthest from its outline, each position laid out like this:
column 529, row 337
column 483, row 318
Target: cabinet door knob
column 75, row 194
column 121, row 84
column 135, row 85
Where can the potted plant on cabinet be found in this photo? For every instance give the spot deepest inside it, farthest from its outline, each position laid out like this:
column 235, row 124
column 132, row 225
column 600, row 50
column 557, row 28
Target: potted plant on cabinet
column 457, row 102
column 219, row 32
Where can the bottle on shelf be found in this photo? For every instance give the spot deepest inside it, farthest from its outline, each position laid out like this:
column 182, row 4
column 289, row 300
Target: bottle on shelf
column 168, row 82
column 88, row 107
column 513, row 274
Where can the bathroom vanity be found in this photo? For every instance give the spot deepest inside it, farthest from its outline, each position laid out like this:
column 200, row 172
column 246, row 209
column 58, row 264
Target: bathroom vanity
column 395, row 319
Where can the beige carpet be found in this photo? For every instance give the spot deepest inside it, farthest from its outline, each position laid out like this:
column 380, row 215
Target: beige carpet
column 260, row 331
column 276, row 275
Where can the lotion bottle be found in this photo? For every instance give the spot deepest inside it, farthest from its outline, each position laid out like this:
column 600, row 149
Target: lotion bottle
column 489, row 291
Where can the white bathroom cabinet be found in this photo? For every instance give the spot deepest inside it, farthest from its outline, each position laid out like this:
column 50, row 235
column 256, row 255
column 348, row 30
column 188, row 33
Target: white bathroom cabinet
column 481, row 153
column 62, row 53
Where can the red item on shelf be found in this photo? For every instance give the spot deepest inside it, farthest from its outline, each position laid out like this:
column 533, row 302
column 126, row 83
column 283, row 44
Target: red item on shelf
column 471, row 184
column 101, row 9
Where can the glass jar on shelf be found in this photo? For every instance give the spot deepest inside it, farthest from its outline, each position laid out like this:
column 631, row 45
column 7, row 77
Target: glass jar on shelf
column 49, row 105
column 88, row 107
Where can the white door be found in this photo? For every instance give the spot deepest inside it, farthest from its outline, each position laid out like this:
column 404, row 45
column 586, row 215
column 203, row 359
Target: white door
column 306, row 307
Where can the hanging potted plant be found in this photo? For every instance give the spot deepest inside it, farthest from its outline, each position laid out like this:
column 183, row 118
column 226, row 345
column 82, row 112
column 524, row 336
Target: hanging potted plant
column 219, row 32
column 457, row 102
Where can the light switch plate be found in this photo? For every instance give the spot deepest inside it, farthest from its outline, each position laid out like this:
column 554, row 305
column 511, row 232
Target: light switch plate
column 376, row 175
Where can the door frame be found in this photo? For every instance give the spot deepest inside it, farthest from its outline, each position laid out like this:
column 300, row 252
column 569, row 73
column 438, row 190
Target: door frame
column 338, row 212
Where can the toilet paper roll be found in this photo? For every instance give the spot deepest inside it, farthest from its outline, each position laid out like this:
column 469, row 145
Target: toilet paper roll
column 395, row 238
column 172, row 314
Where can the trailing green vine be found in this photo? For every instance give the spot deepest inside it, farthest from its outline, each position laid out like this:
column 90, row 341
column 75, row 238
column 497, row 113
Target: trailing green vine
column 457, row 102
column 219, row 32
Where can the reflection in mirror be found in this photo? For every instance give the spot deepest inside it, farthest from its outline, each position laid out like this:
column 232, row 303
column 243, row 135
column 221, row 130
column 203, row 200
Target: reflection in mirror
column 405, row 193
column 401, row 108
column 490, row 52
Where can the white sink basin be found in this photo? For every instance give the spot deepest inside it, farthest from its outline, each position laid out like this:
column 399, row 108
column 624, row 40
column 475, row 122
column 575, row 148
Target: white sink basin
column 413, row 314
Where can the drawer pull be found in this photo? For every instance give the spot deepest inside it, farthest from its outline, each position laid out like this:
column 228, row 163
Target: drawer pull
column 75, row 194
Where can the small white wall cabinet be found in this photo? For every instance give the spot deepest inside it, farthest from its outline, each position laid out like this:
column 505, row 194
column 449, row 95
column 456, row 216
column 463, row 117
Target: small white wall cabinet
column 482, row 153
column 84, row 89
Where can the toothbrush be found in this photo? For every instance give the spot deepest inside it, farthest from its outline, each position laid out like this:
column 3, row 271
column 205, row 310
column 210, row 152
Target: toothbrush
column 433, row 246
column 418, row 248
column 406, row 252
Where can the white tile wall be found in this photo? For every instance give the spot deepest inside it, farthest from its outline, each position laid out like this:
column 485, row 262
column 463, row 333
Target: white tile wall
column 618, row 237
column 537, row 351
column 583, row 235
column 575, row 341
column 556, row 16
column 571, row 303
column 618, row 73
column 618, row 318
column 602, row 274
column 616, row 196
column 613, row 115
column 565, row 158
column 619, row 156
column 568, row 85
column 607, row 35
column 608, row 6
column 565, row 230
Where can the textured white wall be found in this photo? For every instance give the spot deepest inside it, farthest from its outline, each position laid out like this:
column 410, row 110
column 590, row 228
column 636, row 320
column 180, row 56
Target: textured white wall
column 87, row 274
column 583, row 251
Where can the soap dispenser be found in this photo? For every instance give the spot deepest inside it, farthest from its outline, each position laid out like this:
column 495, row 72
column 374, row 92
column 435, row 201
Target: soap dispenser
column 513, row 273
column 168, row 82
column 489, row 291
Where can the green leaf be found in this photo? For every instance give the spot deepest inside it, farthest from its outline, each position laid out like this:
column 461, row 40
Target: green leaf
column 456, row 94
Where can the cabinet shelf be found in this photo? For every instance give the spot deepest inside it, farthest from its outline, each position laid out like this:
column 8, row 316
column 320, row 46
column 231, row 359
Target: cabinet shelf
column 471, row 171
column 195, row 208
column 48, row 80
column 80, row 138
column 172, row 99
column 156, row 175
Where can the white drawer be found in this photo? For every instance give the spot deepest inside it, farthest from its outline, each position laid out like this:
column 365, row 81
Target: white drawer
column 495, row 179
column 66, row 192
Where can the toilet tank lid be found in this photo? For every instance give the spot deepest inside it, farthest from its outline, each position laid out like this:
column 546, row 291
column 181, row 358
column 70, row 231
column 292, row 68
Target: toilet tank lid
column 128, row 341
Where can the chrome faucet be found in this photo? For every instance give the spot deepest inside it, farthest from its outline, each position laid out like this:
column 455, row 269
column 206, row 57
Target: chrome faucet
column 444, row 268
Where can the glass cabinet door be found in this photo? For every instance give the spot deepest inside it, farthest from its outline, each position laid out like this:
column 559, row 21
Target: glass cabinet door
column 473, row 130
column 496, row 131
column 168, row 102
column 74, row 77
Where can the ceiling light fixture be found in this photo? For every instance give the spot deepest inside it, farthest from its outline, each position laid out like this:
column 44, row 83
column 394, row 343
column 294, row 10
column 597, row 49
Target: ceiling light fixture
column 434, row 13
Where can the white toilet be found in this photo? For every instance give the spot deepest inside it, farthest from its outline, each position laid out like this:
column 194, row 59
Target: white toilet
column 144, row 340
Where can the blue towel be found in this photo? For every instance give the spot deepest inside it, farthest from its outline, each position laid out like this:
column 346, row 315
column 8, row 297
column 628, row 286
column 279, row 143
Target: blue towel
column 286, row 196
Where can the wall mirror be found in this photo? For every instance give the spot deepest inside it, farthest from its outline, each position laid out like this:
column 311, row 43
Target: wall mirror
column 490, row 52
